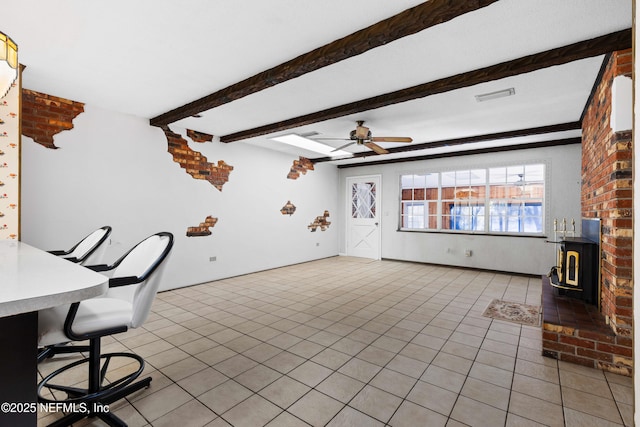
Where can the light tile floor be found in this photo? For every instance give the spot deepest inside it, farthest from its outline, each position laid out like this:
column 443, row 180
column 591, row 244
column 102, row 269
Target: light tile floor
column 353, row 342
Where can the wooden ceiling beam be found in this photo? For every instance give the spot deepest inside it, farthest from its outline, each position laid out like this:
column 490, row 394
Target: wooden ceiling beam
column 541, row 130
column 411, row 21
column 558, row 56
column 525, row 146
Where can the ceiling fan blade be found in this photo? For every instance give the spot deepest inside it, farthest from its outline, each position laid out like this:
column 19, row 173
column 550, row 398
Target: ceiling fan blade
column 391, row 139
column 344, row 146
column 331, row 139
column 375, row 147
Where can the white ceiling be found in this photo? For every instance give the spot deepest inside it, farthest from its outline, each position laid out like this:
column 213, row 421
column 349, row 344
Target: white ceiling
column 147, row 57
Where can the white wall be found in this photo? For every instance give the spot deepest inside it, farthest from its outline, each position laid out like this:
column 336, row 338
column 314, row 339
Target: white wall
column 114, row 169
column 529, row 255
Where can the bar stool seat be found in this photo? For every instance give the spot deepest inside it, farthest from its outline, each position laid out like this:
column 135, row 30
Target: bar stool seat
column 132, row 288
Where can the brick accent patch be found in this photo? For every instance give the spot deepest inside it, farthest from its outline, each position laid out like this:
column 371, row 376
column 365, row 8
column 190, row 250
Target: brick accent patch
column 320, row 222
column 44, row 116
column 195, row 163
column 288, row 209
column 300, row 166
column 199, row 136
column 204, row 228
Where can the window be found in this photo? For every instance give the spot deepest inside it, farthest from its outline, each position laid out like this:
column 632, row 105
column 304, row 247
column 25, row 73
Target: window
column 363, row 200
column 505, row 200
column 420, row 194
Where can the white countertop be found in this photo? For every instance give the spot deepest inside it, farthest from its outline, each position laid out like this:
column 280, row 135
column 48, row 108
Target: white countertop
column 32, row 279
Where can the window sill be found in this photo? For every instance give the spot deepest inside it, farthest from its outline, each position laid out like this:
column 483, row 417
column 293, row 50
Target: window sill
column 479, row 233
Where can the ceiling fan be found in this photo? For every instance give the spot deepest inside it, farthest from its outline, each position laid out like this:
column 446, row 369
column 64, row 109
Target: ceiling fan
column 361, row 135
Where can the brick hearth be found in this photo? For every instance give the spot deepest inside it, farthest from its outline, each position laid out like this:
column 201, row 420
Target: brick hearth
column 576, row 332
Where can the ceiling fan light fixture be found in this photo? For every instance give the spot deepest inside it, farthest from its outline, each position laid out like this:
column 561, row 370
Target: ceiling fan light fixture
column 308, row 144
column 495, row 95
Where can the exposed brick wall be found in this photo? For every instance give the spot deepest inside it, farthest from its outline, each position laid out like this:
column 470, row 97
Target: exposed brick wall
column 572, row 330
column 199, row 136
column 300, row 166
column 44, row 116
column 288, row 209
column 204, row 228
column 195, row 163
column 320, row 222
column 607, row 194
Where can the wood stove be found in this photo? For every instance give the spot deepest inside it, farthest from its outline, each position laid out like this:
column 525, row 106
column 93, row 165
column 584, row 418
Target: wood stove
column 577, row 271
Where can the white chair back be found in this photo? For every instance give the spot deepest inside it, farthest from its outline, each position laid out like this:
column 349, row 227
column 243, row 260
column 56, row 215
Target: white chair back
column 84, row 250
column 144, row 261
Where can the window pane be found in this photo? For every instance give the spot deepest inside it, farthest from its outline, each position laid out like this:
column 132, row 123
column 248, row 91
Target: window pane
column 406, row 181
column 516, row 217
column 477, row 177
column 432, row 218
column 413, row 215
column 417, row 213
column 448, row 179
column 469, row 218
column 467, row 213
column 515, row 173
column 447, row 218
column 497, row 175
column 463, row 178
column 363, row 200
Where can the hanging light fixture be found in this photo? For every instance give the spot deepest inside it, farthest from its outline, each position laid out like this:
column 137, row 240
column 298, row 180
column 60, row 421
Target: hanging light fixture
column 8, row 63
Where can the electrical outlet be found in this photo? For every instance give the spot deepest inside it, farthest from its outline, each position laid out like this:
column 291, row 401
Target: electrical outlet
column 468, row 252
column 213, row 258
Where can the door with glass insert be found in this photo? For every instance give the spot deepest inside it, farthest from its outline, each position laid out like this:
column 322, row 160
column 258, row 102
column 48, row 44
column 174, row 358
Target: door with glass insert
column 363, row 217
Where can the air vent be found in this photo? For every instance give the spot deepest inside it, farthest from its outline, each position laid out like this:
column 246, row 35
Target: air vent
column 495, row 95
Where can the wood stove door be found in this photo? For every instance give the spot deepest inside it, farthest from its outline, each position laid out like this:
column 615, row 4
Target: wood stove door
column 363, row 217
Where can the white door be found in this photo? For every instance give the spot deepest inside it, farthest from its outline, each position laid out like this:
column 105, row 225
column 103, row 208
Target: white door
column 363, row 217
